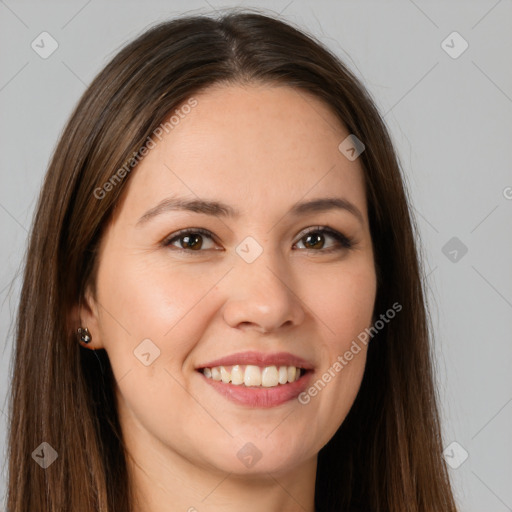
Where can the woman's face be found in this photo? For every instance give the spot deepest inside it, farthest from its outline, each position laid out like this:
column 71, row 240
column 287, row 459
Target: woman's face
column 266, row 279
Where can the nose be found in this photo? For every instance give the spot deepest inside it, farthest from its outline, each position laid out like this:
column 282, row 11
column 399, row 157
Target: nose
column 262, row 297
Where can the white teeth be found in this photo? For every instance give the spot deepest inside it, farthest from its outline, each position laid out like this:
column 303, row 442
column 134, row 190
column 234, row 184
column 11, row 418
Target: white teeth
column 224, row 374
column 269, row 377
column 237, row 375
column 252, row 375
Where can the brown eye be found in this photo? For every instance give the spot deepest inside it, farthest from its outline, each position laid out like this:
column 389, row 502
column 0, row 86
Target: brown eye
column 315, row 240
column 193, row 242
column 190, row 240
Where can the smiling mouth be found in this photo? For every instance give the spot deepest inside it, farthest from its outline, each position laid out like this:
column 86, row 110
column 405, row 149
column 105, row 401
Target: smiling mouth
column 254, row 376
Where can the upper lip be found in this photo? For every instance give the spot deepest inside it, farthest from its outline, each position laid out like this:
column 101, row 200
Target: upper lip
column 260, row 359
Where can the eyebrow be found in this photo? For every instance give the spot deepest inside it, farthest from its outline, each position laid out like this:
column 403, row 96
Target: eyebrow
column 222, row 210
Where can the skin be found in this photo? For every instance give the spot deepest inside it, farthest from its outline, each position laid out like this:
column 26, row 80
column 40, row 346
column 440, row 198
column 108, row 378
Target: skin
column 260, row 149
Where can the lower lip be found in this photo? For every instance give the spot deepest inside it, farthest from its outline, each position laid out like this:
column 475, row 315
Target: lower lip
column 259, row 396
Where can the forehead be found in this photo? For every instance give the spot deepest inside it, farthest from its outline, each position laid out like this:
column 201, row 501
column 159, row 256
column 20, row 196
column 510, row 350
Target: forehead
column 249, row 146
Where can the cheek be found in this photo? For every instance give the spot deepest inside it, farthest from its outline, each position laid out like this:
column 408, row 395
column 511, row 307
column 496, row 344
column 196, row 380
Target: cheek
column 345, row 310
column 152, row 309
column 351, row 315
column 150, row 302
column 344, row 303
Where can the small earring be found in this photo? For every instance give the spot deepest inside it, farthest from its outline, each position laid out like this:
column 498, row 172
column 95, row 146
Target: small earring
column 84, row 334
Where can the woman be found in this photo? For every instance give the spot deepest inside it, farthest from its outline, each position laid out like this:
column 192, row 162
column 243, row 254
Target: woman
column 224, row 290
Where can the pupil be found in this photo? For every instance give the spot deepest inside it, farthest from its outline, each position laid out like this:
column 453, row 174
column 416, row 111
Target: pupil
column 195, row 241
column 310, row 240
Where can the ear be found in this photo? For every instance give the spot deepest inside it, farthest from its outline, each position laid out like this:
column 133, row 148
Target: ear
column 87, row 315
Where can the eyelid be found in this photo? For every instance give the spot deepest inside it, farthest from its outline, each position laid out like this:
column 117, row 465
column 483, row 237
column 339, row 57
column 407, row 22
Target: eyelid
column 314, row 229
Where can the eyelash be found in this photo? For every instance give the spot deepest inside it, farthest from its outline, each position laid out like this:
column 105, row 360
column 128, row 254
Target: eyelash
column 345, row 242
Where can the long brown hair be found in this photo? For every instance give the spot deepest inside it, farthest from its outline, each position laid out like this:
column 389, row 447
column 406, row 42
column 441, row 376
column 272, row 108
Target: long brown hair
column 386, row 455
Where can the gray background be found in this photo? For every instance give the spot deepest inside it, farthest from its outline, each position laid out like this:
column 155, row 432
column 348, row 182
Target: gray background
column 451, row 122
